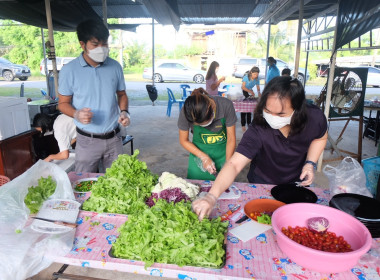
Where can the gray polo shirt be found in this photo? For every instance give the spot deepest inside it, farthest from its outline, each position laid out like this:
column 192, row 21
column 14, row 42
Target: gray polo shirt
column 224, row 109
column 275, row 158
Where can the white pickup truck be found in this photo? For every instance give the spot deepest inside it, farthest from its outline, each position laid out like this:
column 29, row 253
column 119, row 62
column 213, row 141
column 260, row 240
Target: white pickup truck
column 60, row 62
column 244, row 64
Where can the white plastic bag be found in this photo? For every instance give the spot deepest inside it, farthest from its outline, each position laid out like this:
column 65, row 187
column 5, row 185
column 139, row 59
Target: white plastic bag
column 24, row 252
column 347, row 177
column 234, row 93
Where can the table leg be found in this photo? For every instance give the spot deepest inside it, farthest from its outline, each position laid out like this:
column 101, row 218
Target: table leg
column 60, row 275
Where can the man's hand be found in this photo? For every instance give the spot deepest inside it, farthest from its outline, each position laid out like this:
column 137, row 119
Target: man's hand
column 124, row 119
column 83, row 115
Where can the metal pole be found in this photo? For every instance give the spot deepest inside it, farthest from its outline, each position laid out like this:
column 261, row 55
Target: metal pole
column 307, row 53
column 298, row 45
column 104, row 5
column 268, row 43
column 45, row 61
column 52, row 48
column 153, row 51
column 330, row 83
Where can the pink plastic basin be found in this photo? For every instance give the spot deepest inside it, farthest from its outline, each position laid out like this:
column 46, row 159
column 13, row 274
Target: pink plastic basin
column 341, row 223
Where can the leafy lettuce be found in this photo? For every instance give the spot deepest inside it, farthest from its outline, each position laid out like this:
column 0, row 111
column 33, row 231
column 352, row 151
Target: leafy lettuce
column 38, row 194
column 124, row 188
column 171, row 233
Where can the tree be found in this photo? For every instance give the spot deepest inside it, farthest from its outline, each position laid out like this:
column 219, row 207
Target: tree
column 25, row 43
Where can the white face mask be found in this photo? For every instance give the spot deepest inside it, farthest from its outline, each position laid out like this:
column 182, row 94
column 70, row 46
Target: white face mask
column 98, row 54
column 216, row 70
column 277, row 122
column 207, row 124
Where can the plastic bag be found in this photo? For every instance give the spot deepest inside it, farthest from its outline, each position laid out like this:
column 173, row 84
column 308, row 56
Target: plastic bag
column 25, row 252
column 347, row 177
column 234, row 93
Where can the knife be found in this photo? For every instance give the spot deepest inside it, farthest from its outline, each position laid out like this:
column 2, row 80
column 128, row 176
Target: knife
column 72, row 225
column 242, row 219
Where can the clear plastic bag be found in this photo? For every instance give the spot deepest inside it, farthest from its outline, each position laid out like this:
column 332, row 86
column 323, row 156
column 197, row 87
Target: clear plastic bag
column 347, row 177
column 25, row 252
column 234, row 93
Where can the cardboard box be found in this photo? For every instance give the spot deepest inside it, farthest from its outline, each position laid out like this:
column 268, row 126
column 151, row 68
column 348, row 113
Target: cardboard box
column 14, row 116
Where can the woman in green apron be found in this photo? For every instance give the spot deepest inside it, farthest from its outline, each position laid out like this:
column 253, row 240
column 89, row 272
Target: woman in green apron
column 211, row 119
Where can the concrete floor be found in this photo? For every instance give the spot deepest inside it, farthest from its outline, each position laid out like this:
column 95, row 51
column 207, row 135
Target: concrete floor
column 156, row 136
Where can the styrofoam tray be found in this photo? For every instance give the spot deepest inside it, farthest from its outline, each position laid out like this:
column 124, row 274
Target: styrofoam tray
column 63, row 210
column 233, row 193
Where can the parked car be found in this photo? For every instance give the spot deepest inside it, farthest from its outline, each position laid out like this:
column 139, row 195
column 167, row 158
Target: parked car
column 244, row 64
column 174, row 71
column 60, row 62
column 9, row 70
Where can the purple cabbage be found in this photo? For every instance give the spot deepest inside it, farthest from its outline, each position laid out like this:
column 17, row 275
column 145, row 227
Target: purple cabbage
column 318, row 224
column 170, row 195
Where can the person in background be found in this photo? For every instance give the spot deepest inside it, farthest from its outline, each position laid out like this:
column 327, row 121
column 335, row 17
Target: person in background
column 282, row 145
column 273, row 71
column 92, row 91
column 64, row 131
column 285, row 72
column 212, row 81
column 250, row 80
column 212, row 120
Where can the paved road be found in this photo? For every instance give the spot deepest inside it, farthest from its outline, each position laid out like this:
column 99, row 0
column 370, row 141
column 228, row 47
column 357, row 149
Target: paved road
column 138, row 88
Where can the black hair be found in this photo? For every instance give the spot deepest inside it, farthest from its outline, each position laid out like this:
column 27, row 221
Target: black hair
column 92, row 28
column 198, row 107
column 272, row 60
column 211, row 70
column 44, row 121
column 284, row 87
column 254, row 69
column 285, row 71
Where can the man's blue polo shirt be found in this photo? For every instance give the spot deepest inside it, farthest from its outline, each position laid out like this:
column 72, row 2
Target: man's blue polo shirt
column 94, row 88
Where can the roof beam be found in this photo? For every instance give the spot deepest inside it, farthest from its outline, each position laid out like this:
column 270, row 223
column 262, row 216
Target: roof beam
column 280, row 11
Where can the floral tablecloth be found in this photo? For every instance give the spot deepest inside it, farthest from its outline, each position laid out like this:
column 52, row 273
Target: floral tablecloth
column 258, row 258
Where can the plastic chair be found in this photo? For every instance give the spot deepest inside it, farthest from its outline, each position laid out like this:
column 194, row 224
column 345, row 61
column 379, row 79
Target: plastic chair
column 171, row 100
column 184, row 92
column 4, row 180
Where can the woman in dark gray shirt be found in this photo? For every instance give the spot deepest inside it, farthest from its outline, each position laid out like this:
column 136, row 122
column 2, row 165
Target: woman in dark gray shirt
column 211, row 120
column 282, row 145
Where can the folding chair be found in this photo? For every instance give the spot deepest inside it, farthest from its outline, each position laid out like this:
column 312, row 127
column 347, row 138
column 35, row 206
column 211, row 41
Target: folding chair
column 171, row 100
column 126, row 140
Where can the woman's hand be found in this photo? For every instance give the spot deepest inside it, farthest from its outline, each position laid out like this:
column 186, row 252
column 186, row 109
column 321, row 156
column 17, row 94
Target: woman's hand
column 307, row 174
column 204, row 205
column 208, row 164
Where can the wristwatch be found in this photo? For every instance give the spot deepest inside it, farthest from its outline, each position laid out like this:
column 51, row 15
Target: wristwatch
column 312, row 163
column 128, row 115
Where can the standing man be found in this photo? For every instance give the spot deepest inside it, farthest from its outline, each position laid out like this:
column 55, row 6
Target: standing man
column 273, row 71
column 92, row 91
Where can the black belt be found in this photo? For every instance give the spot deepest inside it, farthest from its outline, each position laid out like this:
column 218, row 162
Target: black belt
column 107, row 135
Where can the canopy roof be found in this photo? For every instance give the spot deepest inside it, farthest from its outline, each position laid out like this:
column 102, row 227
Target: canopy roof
column 67, row 14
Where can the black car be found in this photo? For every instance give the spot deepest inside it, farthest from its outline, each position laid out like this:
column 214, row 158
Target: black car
column 9, row 70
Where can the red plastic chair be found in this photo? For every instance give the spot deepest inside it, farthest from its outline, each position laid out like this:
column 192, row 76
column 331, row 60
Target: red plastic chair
column 4, row 180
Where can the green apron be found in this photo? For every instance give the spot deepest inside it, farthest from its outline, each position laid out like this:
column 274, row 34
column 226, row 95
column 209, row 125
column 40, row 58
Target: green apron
column 213, row 144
